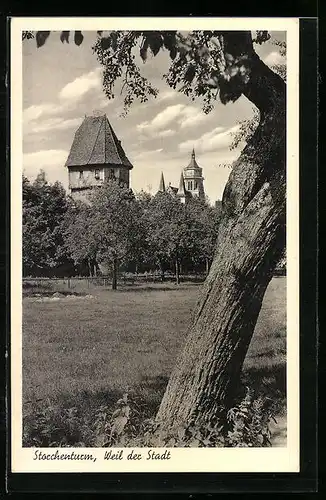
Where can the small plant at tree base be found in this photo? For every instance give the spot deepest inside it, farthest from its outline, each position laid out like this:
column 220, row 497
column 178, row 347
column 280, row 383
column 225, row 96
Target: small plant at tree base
column 249, row 422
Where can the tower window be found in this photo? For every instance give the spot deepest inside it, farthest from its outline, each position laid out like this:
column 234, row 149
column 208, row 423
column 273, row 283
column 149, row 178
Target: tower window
column 111, row 173
column 196, row 185
column 190, row 185
column 81, row 174
column 97, row 174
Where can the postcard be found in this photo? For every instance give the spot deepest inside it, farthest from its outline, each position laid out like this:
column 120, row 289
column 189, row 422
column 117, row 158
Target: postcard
column 154, row 244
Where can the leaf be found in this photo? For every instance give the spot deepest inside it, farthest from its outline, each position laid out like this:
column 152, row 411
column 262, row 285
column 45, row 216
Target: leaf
column 116, row 413
column 41, row 37
column 101, row 441
column 155, row 43
column 173, row 52
column 64, row 37
column 79, row 37
column 114, row 40
column 105, row 43
column 190, row 73
column 143, row 50
column 169, row 40
column 119, row 425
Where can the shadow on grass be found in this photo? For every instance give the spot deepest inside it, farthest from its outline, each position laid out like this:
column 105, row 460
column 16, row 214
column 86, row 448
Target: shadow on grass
column 155, row 287
column 73, row 419
column 47, row 291
column 268, row 381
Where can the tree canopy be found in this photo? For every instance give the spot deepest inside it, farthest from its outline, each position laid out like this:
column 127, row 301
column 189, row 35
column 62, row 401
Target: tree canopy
column 44, row 208
column 203, row 65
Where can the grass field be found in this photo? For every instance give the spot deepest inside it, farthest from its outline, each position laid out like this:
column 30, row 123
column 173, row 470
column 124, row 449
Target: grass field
column 85, row 351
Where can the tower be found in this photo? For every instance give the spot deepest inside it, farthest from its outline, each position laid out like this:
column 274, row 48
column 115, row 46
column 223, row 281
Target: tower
column 96, row 155
column 182, row 193
column 193, row 178
column 161, row 187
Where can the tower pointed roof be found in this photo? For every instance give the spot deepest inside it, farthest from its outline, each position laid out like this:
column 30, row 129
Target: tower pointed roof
column 193, row 163
column 162, row 184
column 95, row 143
column 182, row 188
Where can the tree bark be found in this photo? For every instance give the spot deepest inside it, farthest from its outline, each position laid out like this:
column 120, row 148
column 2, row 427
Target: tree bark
column 250, row 242
column 114, row 273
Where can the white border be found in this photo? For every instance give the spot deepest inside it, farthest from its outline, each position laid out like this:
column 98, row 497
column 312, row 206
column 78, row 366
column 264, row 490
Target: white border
column 182, row 459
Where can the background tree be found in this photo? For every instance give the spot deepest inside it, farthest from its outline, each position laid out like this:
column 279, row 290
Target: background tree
column 44, row 207
column 210, row 65
column 204, row 221
column 79, row 236
column 107, row 229
column 168, row 231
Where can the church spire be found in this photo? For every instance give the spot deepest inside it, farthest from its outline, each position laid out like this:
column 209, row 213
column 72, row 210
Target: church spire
column 162, row 184
column 182, row 189
column 193, row 153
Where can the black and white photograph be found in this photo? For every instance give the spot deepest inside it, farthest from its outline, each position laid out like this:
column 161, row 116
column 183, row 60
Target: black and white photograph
column 155, row 194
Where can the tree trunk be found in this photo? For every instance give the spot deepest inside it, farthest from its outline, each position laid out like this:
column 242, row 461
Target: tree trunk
column 114, row 273
column 250, row 241
column 89, row 268
column 207, row 265
column 177, row 271
column 162, row 272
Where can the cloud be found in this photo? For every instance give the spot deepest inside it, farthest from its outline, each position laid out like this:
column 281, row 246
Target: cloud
column 53, row 124
column 165, row 133
column 81, row 85
column 184, row 116
column 146, row 154
column 35, row 112
column 216, row 139
column 166, row 116
column 274, row 58
column 191, row 116
column 168, row 94
column 44, row 159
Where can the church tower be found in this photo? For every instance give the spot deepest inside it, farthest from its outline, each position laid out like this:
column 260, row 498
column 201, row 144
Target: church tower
column 193, row 178
column 96, row 155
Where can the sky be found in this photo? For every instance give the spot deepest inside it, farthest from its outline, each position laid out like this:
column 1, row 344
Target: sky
column 63, row 82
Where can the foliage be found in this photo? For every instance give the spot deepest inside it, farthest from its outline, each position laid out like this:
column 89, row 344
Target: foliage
column 115, row 220
column 177, row 232
column 167, row 230
column 114, row 224
column 106, row 228
column 201, row 64
column 128, row 422
column 249, row 421
column 247, row 127
column 78, row 232
column 204, row 222
column 44, row 208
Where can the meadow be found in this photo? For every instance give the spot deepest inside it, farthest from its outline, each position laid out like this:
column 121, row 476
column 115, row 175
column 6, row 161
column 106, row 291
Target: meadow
column 81, row 353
